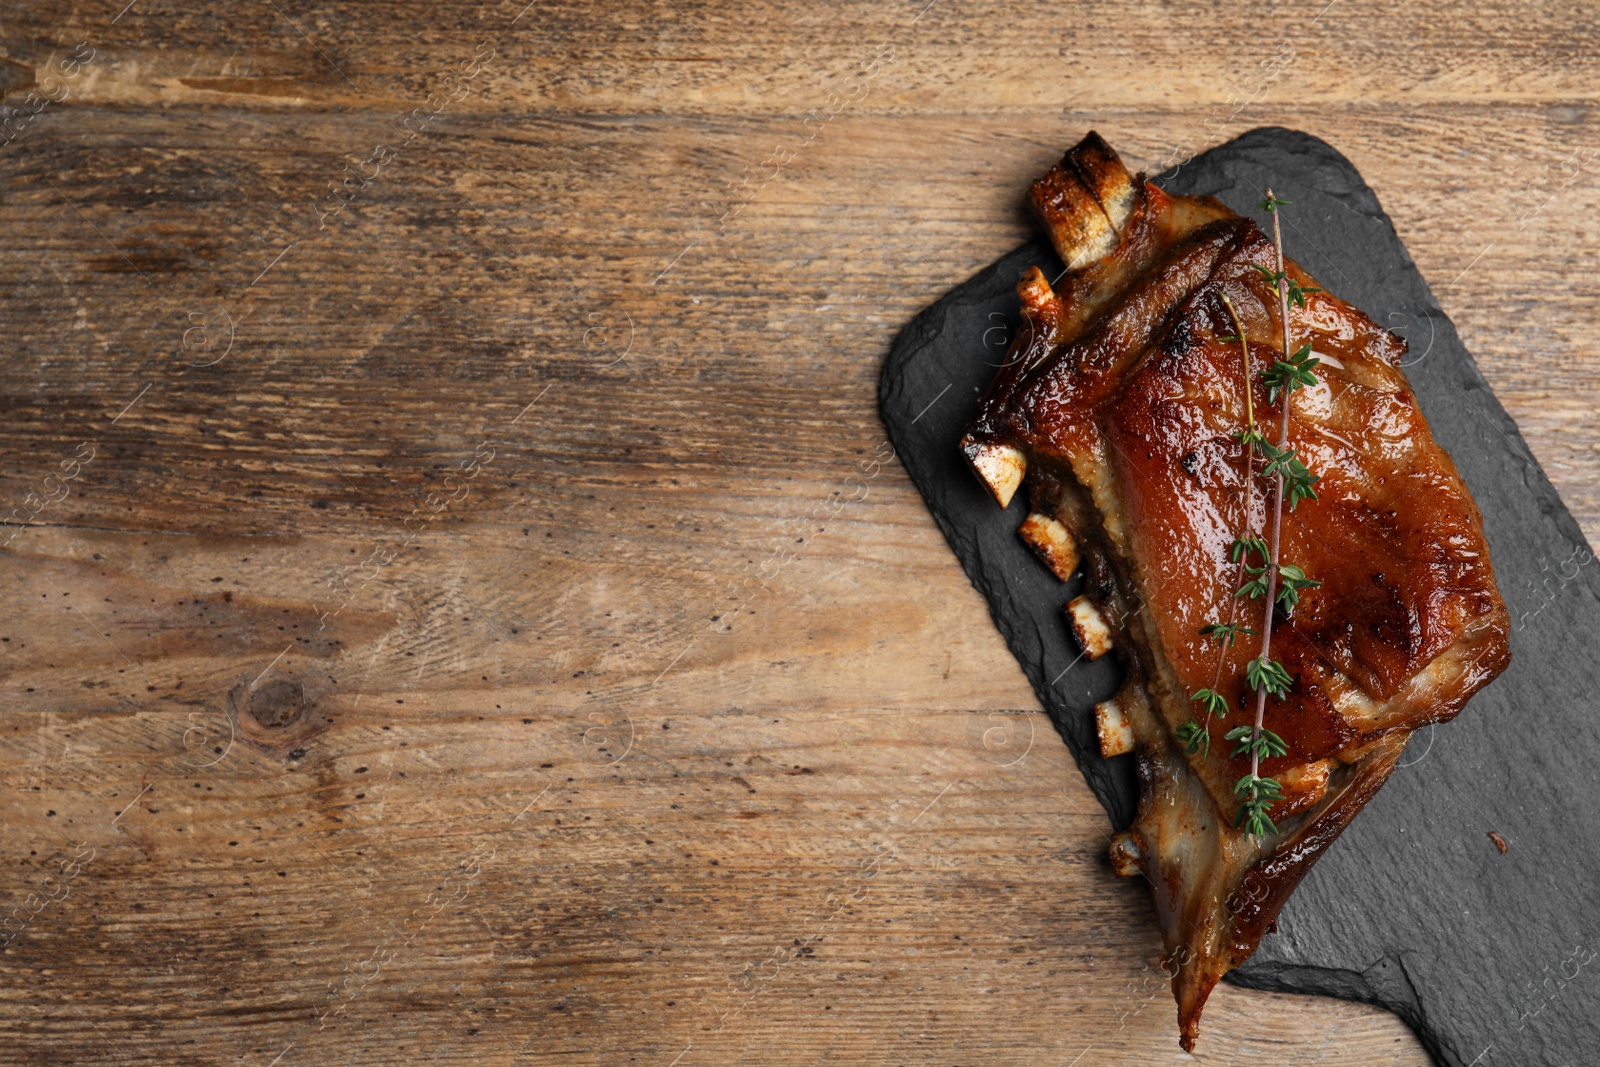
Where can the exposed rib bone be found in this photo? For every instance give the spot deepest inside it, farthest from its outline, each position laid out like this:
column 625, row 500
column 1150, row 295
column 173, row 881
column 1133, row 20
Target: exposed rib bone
column 1084, row 201
column 1053, row 542
column 998, row 466
column 1116, row 732
column 1126, row 854
column 1037, row 296
column 1089, row 627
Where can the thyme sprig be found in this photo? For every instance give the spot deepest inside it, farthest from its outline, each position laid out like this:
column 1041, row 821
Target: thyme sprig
column 1292, row 481
column 1263, row 673
column 1297, row 292
column 1266, row 744
column 1293, row 372
column 1276, row 583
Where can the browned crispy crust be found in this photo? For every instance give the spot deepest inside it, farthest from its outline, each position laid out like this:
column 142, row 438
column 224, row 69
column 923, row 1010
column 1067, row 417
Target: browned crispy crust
column 1115, row 410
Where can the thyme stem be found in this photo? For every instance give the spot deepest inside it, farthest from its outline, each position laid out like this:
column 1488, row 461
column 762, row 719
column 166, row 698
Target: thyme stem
column 1277, row 500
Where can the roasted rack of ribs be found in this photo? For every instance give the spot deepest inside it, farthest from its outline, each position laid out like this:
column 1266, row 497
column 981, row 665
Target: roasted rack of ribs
column 1117, row 412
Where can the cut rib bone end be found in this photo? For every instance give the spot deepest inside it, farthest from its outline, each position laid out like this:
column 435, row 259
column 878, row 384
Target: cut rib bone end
column 999, row 466
column 1084, row 201
column 1089, row 627
column 1126, row 855
column 1116, row 732
column 1053, row 543
column 1038, row 297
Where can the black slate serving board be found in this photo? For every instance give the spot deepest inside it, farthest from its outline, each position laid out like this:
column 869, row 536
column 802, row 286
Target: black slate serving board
column 1494, row 959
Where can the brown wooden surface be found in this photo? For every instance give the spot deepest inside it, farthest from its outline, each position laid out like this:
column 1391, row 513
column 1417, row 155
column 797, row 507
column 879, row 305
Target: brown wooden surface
column 676, row 735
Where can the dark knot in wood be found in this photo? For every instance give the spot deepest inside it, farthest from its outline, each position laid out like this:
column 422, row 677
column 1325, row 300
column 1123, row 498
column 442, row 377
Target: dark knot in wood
column 277, row 704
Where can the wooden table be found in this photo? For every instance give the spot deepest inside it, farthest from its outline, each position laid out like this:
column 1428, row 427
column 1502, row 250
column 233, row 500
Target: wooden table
column 460, row 605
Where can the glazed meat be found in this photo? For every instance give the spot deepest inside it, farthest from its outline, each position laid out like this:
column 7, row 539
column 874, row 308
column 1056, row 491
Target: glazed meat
column 1118, row 412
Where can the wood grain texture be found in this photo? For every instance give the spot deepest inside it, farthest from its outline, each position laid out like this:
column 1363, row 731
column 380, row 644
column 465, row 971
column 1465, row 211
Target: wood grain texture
column 468, row 615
